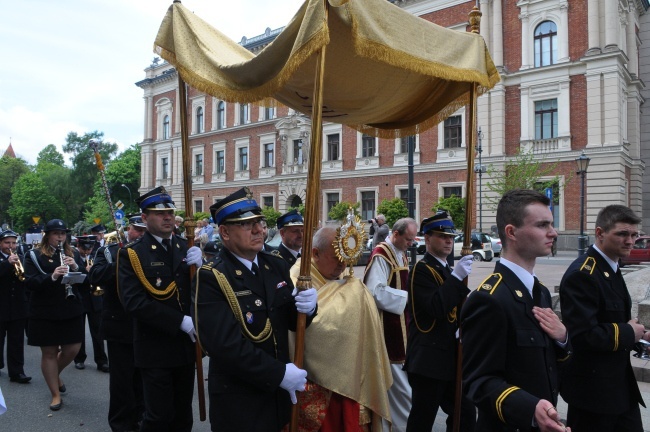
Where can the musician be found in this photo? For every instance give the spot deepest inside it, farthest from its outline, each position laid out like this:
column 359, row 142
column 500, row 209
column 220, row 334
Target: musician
column 291, row 226
column 13, row 308
column 92, row 309
column 210, row 250
column 55, row 311
column 126, row 401
column 98, row 232
column 154, row 286
column 244, row 309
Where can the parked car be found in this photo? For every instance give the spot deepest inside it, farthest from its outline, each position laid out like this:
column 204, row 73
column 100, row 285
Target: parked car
column 481, row 246
column 421, row 246
column 496, row 246
column 640, row 251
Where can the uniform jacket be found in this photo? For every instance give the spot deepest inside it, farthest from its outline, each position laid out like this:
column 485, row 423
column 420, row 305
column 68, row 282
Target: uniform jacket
column 47, row 298
column 435, row 298
column 13, row 297
column 286, row 254
column 158, row 341
column 116, row 325
column 509, row 363
column 244, row 375
column 91, row 303
column 595, row 309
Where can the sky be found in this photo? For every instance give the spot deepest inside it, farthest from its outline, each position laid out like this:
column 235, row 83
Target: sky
column 72, row 65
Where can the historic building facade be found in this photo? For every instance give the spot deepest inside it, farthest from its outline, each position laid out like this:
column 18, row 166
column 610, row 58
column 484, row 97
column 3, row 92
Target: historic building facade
column 571, row 83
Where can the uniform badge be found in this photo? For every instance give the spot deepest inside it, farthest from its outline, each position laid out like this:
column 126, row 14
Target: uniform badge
column 266, row 267
column 153, row 247
column 158, row 282
column 258, row 302
column 486, row 287
column 587, row 267
column 280, row 285
column 177, row 246
column 50, row 260
column 249, row 317
column 238, row 272
column 606, row 274
column 519, row 294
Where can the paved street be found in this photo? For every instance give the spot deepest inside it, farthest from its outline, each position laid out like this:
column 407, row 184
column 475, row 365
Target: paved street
column 86, row 400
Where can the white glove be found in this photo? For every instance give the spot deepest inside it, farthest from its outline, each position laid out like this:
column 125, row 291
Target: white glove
column 294, row 380
column 306, row 301
column 194, row 256
column 463, row 268
column 188, row 327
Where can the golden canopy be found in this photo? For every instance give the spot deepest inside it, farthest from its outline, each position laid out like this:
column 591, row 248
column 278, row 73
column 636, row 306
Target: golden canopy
column 388, row 73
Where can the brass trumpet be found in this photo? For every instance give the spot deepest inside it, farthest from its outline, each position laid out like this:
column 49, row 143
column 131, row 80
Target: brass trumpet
column 19, row 270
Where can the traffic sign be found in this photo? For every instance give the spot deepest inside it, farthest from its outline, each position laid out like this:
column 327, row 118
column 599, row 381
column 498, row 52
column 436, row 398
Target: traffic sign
column 119, row 214
column 119, row 204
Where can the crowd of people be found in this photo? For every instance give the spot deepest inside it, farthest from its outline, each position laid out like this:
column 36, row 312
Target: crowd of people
column 381, row 353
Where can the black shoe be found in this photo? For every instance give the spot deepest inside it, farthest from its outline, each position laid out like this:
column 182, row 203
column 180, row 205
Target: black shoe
column 62, row 389
column 103, row 367
column 56, row 407
column 20, row 378
column 80, row 365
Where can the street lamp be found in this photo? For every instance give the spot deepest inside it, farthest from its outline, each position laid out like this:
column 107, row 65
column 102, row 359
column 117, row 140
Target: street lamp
column 583, row 164
column 480, row 169
column 130, row 196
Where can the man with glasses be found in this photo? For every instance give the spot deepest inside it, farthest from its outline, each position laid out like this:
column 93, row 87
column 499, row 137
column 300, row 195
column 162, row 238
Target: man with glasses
column 244, row 309
column 291, row 226
column 599, row 384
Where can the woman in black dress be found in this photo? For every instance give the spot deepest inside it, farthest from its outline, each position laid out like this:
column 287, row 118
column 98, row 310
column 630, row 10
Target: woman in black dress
column 55, row 310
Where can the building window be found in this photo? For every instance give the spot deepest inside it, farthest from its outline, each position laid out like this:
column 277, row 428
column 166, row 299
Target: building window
column 546, row 119
column 297, row 151
column 198, row 164
column 198, row 206
column 449, row 191
column 243, row 113
column 220, row 162
column 164, row 163
column 404, row 196
column 268, row 201
column 268, row 155
column 243, row 158
column 199, row 120
column 268, row 113
column 553, row 193
column 333, row 198
column 367, row 205
column 545, row 44
column 404, row 143
column 453, row 132
column 333, row 147
column 165, row 130
column 221, row 115
column 367, row 146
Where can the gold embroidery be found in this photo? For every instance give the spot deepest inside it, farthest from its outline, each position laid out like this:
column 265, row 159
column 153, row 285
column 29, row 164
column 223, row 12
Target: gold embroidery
column 137, row 268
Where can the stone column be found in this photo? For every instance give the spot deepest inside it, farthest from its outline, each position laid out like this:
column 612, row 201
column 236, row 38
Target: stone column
column 612, row 23
column 525, row 38
column 497, row 32
column 593, row 26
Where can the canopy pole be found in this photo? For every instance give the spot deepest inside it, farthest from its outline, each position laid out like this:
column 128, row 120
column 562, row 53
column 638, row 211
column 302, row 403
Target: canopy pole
column 190, row 224
column 470, row 188
column 311, row 210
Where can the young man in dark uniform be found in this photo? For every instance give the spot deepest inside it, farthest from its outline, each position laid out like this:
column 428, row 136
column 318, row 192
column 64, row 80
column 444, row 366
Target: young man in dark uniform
column 291, row 226
column 435, row 298
column 600, row 386
column 513, row 342
column 13, row 309
column 244, row 309
column 153, row 277
column 126, row 403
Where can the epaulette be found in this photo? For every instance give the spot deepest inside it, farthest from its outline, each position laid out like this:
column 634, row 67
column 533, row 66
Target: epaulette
column 589, row 265
column 273, row 253
column 207, row 266
column 128, row 245
column 491, row 283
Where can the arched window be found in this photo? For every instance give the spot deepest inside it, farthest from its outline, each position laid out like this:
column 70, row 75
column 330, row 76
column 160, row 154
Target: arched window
column 165, row 129
column 221, row 115
column 199, row 120
column 545, row 44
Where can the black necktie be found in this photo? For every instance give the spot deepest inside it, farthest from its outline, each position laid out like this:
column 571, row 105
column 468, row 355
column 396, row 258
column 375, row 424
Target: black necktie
column 298, row 256
column 537, row 293
column 255, row 269
column 168, row 244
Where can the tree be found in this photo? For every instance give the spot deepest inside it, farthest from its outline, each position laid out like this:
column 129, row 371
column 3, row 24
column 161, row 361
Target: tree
column 125, row 170
column 523, row 171
column 455, row 206
column 340, row 211
column 271, row 216
column 11, row 169
column 31, row 197
column 62, row 188
column 393, row 210
column 50, row 155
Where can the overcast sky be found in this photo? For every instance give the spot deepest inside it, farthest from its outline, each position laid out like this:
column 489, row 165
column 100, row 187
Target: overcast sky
column 71, row 65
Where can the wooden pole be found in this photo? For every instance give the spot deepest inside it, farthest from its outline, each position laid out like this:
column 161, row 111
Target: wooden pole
column 190, row 224
column 311, row 209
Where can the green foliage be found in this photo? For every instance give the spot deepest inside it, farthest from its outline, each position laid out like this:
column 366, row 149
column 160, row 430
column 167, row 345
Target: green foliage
column 10, row 171
column 455, row 206
column 201, row 215
column 340, row 211
column 523, row 171
column 125, row 170
column 393, row 210
column 51, row 155
column 300, row 208
column 271, row 216
column 31, row 197
column 97, row 208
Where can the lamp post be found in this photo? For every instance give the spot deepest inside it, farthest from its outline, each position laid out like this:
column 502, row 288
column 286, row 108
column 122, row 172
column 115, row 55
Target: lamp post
column 480, row 169
column 130, row 196
column 583, row 164
column 411, row 195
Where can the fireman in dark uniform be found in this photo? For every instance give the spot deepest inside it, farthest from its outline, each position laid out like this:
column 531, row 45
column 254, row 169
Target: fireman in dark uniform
column 291, row 226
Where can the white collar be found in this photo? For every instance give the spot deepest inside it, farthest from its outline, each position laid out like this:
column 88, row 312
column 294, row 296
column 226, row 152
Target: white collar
column 524, row 276
column 612, row 264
